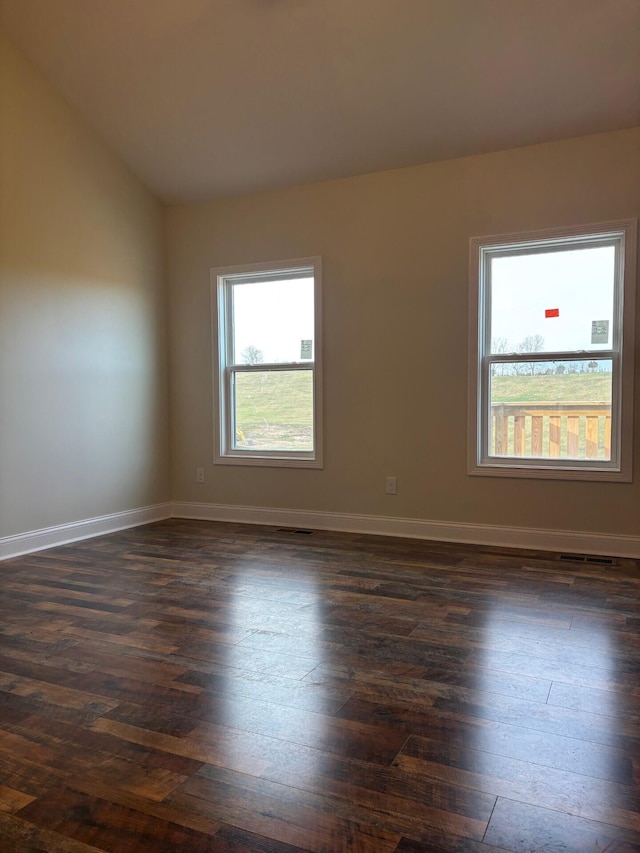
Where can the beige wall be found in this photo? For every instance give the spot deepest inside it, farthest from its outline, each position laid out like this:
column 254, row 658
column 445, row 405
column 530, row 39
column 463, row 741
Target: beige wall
column 83, row 400
column 83, row 354
column 395, row 254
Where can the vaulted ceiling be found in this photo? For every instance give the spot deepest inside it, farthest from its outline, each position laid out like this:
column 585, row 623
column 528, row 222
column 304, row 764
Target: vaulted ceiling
column 204, row 98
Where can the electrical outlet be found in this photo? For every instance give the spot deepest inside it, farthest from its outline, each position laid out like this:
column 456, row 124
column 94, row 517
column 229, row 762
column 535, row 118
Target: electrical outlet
column 391, row 485
column 199, row 475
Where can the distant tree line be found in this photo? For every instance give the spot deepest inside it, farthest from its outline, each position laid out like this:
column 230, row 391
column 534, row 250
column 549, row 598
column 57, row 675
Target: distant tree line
column 251, row 355
column 531, row 344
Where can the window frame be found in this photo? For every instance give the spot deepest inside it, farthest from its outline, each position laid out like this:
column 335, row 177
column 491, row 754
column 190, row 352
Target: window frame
column 224, row 368
column 482, row 250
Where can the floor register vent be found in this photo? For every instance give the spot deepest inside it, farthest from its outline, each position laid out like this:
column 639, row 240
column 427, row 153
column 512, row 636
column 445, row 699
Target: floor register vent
column 582, row 558
column 293, row 532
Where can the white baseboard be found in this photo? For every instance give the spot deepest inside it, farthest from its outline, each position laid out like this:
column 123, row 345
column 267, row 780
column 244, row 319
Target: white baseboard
column 61, row 534
column 601, row 544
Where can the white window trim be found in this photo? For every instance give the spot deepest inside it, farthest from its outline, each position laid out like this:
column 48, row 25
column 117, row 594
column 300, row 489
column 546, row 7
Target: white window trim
column 223, row 453
column 620, row 468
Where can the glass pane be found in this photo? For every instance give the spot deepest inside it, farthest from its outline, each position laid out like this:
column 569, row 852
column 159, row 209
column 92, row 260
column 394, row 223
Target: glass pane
column 547, row 410
column 273, row 321
column 558, row 301
column 274, row 410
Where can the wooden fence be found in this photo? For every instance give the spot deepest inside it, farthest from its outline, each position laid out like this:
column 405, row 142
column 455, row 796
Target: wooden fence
column 549, row 430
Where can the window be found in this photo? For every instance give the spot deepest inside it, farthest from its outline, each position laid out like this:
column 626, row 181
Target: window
column 267, row 364
column 551, row 353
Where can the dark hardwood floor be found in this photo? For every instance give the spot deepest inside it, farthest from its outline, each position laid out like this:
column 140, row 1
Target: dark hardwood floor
column 192, row 686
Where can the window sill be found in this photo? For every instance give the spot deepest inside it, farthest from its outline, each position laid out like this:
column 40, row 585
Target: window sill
column 256, row 460
column 545, row 472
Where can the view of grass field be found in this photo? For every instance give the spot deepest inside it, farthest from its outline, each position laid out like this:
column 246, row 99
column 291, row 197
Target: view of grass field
column 274, row 410
column 562, row 388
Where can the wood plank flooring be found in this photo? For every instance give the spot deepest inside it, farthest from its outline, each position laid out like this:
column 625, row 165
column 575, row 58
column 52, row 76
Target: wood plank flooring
column 192, row 686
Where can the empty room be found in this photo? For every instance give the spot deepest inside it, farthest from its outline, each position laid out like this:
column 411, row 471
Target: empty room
column 319, row 466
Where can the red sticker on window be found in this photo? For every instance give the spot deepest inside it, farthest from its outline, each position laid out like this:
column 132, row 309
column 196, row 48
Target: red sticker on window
column 552, row 312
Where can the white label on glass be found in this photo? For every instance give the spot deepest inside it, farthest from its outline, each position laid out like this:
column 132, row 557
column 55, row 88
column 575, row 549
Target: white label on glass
column 305, row 349
column 600, row 332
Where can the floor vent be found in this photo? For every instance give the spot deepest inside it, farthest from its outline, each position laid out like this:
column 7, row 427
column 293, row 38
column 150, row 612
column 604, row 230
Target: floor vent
column 581, row 558
column 292, row 531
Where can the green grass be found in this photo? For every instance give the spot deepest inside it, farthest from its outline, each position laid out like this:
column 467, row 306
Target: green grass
column 274, row 410
column 563, row 388
column 279, row 397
